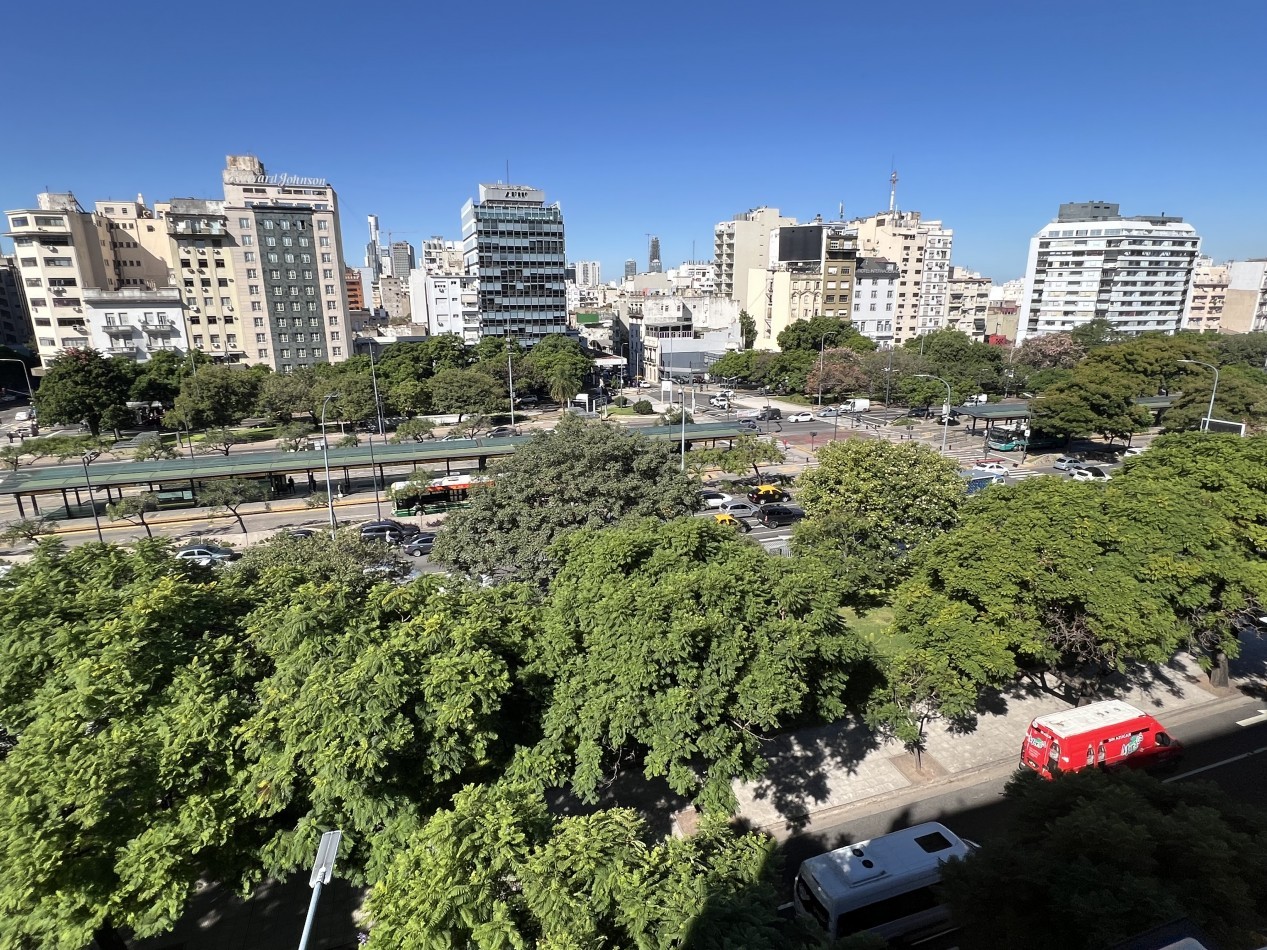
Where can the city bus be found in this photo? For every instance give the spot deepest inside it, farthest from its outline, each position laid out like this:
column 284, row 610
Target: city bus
column 435, row 495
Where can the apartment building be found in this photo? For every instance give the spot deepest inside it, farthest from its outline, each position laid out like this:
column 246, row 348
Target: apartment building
column 447, row 303
column 811, row 273
column 514, row 243
column 587, row 273
column 440, row 256
column 922, row 250
column 1245, row 306
column 15, row 321
column 968, row 303
column 356, row 289
column 1092, row 262
column 284, row 230
column 741, row 246
column 1210, row 282
column 874, row 299
column 393, row 297
column 403, row 259
column 136, row 322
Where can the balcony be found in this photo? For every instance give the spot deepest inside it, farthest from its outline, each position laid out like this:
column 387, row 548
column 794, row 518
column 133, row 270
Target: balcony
column 196, row 227
column 118, row 329
column 121, row 349
column 158, row 327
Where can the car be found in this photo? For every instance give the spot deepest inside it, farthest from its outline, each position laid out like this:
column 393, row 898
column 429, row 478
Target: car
column 526, row 401
column 801, row 417
column 455, row 438
column 419, row 544
column 393, row 532
column 25, row 415
column 1066, row 463
column 206, row 555
column 768, row 494
column 502, row 432
column 301, row 533
column 828, row 412
column 997, row 467
column 714, row 499
column 775, row 516
column 747, row 424
column 731, row 521
column 1090, row 474
column 769, row 413
column 1133, row 451
column 740, row 509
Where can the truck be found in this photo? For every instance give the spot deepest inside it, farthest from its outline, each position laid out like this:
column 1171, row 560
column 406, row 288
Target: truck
column 887, row 886
column 1109, row 735
column 855, row 405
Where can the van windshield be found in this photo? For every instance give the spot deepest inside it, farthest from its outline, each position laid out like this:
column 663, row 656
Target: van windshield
column 805, row 893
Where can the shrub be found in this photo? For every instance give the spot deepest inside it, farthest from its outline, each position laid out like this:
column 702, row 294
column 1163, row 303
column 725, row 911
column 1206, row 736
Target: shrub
column 643, row 407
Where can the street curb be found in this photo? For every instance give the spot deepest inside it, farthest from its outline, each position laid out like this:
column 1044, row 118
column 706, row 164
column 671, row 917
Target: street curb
column 998, row 769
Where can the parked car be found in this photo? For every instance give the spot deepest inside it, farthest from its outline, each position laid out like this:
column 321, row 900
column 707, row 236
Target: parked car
column 1090, row 474
column 393, row 532
column 25, row 415
column 419, row 544
column 731, row 521
column 998, row 467
column 801, row 417
column 206, row 554
column 1133, row 451
column 502, row 432
column 714, row 499
column 768, row 494
column 775, row 516
column 770, row 413
column 740, row 509
column 719, row 402
column 1067, row 463
column 828, row 412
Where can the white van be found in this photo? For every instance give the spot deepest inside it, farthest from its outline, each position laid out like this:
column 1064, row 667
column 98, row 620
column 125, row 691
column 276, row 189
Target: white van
column 888, row 885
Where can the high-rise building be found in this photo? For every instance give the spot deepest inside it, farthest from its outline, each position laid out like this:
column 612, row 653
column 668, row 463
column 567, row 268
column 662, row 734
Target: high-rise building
column 921, row 249
column 968, row 303
column 742, row 244
column 356, row 289
column 1245, row 310
column 200, row 252
column 15, row 321
column 874, row 296
column 588, row 273
column 631, row 268
column 810, row 274
column 287, row 244
column 403, row 260
column 1094, row 263
column 373, row 251
column 446, row 303
column 1210, row 282
column 513, row 242
column 653, row 264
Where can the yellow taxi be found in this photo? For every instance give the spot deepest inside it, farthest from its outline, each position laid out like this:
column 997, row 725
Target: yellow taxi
column 731, row 521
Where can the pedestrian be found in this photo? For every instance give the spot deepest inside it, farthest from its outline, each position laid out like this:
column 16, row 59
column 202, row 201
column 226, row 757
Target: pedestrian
column 290, row 484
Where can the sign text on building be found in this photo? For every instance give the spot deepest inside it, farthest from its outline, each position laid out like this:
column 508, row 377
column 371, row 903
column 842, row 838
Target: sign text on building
column 277, row 180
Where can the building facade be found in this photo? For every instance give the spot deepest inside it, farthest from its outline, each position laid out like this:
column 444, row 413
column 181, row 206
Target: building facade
column 922, row 251
column 874, row 299
column 514, row 243
column 1210, row 282
column 402, row 259
column 394, row 298
column 588, row 273
column 356, row 289
column 631, row 268
column 135, row 322
column 15, row 321
column 810, row 274
column 968, row 303
column 741, row 246
column 1245, row 308
column 1094, row 263
column 286, row 243
column 450, row 303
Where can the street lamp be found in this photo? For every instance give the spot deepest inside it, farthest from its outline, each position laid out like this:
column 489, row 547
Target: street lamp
column 822, row 345
column 30, row 392
column 378, row 404
column 88, row 459
column 510, row 373
column 1214, row 389
column 945, row 417
column 325, row 455
column 322, row 871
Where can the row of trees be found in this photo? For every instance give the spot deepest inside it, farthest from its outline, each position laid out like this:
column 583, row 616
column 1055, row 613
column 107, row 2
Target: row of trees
column 436, row 375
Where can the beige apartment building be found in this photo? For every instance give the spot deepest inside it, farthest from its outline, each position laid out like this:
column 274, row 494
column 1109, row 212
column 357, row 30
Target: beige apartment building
column 811, row 273
column 1245, row 308
column 922, row 251
column 742, row 245
column 1208, row 296
column 968, row 303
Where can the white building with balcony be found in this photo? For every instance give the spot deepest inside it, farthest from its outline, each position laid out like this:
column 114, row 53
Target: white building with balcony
column 135, row 323
column 450, row 303
column 1094, row 263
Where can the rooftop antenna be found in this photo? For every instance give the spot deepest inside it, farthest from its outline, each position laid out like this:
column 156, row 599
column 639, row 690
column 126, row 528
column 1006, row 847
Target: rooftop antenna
column 508, row 171
column 893, row 190
column 842, row 211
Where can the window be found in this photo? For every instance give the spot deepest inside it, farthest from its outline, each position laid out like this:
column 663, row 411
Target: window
column 296, row 305
column 304, row 242
column 225, row 301
column 325, row 258
column 197, row 339
column 252, row 273
column 278, row 290
column 289, row 258
column 274, row 274
column 330, row 288
column 288, row 241
column 305, row 258
column 57, row 261
column 314, row 321
column 312, row 306
column 244, row 224
column 308, row 275
column 285, row 354
column 323, row 225
column 285, row 225
column 301, row 352
column 334, row 335
column 21, row 222
column 301, row 337
column 331, row 305
column 232, row 339
column 268, row 224
column 38, row 302
column 316, row 353
column 262, row 354
column 272, row 257
column 248, row 241
column 253, row 289
column 256, row 306
column 292, row 274
column 325, row 241
column 33, row 282
column 334, row 321
column 49, row 221
column 208, row 301
column 294, row 291
column 257, row 321
column 249, row 257
column 28, row 262
column 215, row 339
column 270, row 241
column 337, row 351
column 283, row 322
column 279, row 307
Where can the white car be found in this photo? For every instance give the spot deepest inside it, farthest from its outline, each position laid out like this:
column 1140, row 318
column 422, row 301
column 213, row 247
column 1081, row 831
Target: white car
column 801, row 417
column 997, row 467
column 828, row 412
column 714, row 499
column 1090, row 475
column 1133, row 451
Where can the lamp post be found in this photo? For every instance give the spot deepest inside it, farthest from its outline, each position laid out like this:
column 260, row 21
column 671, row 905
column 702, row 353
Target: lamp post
column 945, row 417
column 322, row 871
column 30, row 392
column 325, row 455
column 88, row 459
column 510, row 373
column 888, row 375
column 822, row 345
column 378, row 403
column 1214, row 389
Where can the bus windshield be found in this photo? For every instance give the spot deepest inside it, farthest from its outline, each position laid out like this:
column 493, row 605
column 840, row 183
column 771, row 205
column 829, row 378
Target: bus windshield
column 809, row 900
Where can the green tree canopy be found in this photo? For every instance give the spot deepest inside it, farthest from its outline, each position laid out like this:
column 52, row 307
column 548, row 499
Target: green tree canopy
column 675, row 646
column 842, row 374
column 1241, row 397
column 1093, row 401
column 82, row 385
column 282, row 395
column 819, row 332
column 215, row 396
column 583, row 474
column 466, row 391
column 1093, row 859
column 230, row 494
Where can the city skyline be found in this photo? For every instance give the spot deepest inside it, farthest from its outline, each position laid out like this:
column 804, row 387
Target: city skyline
column 1007, row 140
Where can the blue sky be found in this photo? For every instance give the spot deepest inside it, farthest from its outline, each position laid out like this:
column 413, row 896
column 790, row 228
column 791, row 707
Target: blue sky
column 657, row 117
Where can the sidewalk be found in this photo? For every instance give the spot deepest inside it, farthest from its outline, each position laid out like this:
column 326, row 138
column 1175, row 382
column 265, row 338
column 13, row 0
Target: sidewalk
column 820, row 774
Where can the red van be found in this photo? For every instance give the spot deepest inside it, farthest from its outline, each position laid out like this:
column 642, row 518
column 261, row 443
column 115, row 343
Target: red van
column 1111, row 734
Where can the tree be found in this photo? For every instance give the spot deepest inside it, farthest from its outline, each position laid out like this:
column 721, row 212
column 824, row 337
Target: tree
column 673, row 417
column 11, row 456
column 230, row 494
column 409, row 396
column 657, row 657
column 817, row 332
column 1241, row 397
column 1050, row 351
column 159, row 378
column 465, row 391
column 744, row 453
column 529, row 879
column 153, row 447
column 643, row 407
column 1094, row 334
column 1092, row 401
column 222, row 440
column 969, row 366
column 1097, row 858
column 281, row 395
column 215, row 396
column 842, row 374
column 120, row 793
column 26, row 529
column 1244, row 349
column 292, row 435
column 747, row 329
column 1150, row 361
column 583, row 474
column 134, row 509
column 417, row 430
column 734, row 364
column 81, row 385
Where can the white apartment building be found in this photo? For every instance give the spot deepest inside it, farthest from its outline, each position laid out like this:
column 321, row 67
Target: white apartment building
column 968, row 303
column 875, row 299
column 588, row 273
column 1209, row 295
column 694, row 278
column 922, row 250
column 440, row 256
column 742, row 245
column 135, row 322
column 449, row 303
column 286, row 241
column 1245, row 308
column 1094, row 263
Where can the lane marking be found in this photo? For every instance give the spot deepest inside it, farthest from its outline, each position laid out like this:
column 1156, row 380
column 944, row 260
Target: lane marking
column 1261, row 717
column 1215, row 765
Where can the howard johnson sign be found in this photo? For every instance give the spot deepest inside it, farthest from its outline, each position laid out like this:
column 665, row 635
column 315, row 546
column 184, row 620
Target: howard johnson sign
column 240, row 178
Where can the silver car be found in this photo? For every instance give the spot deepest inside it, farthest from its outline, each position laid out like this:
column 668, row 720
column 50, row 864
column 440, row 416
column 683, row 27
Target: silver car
column 1067, row 463
column 740, row 509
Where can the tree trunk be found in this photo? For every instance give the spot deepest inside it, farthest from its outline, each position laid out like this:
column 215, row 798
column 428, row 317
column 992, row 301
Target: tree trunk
column 1220, row 674
column 107, row 938
column 241, row 523
column 145, row 525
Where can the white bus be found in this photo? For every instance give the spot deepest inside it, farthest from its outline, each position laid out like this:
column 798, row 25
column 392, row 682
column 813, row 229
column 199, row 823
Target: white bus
column 889, row 885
